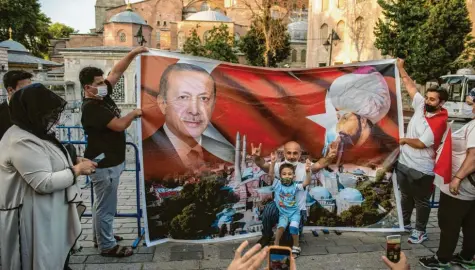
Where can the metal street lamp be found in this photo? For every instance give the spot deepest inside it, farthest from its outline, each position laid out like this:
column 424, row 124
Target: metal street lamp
column 140, row 38
column 332, row 38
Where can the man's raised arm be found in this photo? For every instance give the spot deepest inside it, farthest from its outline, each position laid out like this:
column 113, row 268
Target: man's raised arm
column 123, row 64
column 406, row 80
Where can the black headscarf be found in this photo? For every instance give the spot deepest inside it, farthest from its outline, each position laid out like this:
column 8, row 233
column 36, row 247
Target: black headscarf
column 36, row 109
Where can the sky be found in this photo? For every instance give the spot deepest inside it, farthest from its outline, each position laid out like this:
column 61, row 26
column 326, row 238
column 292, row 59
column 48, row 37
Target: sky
column 78, row 14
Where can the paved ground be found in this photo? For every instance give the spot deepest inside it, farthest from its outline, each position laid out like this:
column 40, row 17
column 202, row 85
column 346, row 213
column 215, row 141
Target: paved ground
column 347, row 251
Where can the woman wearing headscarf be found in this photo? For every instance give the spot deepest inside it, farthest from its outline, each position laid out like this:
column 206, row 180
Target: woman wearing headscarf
column 40, row 203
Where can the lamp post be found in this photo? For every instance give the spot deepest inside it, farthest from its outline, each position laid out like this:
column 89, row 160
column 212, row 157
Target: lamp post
column 140, row 38
column 333, row 37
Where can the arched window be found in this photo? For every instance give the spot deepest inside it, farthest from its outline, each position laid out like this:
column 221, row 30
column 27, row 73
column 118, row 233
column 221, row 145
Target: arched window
column 325, row 5
column 204, row 6
column 181, row 40
column 341, row 4
column 359, row 23
column 323, row 33
column 237, row 37
column 122, row 37
column 118, row 93
column 294, row 55
column 303, row 55
column 340, row 30
column 205, row 36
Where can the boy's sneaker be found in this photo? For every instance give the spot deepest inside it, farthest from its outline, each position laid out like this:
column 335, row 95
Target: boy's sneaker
column 408, row 228
column 417, row 237
column 462, row 262
column 434, row 263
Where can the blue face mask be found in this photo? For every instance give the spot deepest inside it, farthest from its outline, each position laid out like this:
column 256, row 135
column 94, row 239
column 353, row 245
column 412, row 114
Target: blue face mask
column 101, row 91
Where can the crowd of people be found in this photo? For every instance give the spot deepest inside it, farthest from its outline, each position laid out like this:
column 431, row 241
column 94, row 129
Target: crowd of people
column 40, row 198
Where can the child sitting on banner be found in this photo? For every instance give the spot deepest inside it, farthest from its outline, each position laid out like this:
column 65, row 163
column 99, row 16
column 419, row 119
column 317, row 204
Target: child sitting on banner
column 285, row 197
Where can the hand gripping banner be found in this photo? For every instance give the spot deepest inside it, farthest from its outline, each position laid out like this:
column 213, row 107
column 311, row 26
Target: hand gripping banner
column 208, row 130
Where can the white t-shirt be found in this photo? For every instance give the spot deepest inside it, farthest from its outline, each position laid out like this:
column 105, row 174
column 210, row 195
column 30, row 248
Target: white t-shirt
column 421, row 160
column 300, row 174
column 462, row 140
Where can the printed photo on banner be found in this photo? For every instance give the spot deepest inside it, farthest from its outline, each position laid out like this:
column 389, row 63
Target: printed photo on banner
column 209, row 129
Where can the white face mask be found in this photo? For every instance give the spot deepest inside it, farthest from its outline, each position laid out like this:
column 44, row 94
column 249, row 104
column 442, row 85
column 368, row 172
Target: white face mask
column 101, row 91
column 293, row 163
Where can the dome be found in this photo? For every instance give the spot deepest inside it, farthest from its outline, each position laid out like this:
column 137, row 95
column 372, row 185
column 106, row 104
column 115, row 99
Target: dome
column 320, row 193
column 298, row 30
column 359, row 172
column 209, row 16
column 351, row 195
column 127, row 16
column 13, row 46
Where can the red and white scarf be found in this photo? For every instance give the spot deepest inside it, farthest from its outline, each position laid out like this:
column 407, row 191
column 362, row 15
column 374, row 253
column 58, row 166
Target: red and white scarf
column 442, row 146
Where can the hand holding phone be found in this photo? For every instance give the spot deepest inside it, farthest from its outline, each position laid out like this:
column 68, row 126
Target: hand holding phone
column 393, row 248
column 99, row 158
column 280, row 258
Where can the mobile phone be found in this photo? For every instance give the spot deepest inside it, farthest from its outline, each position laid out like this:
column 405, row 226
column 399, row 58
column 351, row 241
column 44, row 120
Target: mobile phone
column 393, row 248
column 99, row 158
column 279, row 258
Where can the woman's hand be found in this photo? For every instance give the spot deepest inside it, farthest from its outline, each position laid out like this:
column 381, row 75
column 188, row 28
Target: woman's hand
column 85, row 167
column 252, row 260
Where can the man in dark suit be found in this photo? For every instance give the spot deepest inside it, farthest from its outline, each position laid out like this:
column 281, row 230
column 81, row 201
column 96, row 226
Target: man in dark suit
column 187, row 141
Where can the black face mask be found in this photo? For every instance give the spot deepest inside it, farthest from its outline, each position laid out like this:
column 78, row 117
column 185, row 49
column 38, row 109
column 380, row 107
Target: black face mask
column 430, row 108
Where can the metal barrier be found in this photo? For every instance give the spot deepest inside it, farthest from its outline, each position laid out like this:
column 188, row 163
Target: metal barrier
column 138, row 213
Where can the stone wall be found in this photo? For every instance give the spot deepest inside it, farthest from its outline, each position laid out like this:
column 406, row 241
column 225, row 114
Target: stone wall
column 85, row 40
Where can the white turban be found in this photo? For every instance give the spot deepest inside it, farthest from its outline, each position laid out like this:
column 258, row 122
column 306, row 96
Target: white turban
column 366, row 95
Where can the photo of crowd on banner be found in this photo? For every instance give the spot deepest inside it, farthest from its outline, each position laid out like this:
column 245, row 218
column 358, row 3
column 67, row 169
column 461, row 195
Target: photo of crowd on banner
column 201, row 183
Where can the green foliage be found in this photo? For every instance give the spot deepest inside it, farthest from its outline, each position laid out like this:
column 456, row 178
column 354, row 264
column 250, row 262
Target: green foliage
column 254, row 44
column 380, row 174
column 467, row 57
column 190, row 214
column 218, row 44
column 424, row 33
column 59, row 30
column 29, row 24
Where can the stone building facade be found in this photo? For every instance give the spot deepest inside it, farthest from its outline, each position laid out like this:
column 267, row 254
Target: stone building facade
column 354, row 22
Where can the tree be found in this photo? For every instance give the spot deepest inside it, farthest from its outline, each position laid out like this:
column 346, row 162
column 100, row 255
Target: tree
column 59, row 30
column 267, row 42
column 29, row 24
column 190, row 214
column 424, row 33
column 467, row 57
column 358, row 15
column 380, row 175
column 193, row 44
column 218, row 44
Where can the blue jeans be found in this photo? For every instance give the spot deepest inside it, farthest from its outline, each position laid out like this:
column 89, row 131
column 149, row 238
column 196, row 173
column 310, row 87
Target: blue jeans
column 106, row 183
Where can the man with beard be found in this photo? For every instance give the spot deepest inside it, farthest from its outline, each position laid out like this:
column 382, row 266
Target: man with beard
column 187, row 140
column 414, row 170
column 362, row 99
column 292, row 154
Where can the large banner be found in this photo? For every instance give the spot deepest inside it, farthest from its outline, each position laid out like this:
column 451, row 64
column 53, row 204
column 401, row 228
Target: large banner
column 208, row 129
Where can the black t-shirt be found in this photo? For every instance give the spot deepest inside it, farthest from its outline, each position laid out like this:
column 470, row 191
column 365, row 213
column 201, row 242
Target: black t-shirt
column 5, row 122
column 96, row 114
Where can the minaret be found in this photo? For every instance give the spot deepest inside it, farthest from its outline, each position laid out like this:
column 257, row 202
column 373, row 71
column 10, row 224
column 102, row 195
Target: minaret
column 243, row 163
column 237, row 169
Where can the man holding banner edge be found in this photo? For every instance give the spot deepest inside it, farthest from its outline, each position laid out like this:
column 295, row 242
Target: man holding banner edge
column 415, row 168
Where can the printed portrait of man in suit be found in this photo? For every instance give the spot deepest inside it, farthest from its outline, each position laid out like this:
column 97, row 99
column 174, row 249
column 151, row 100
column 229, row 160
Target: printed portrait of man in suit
column 187, row 140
